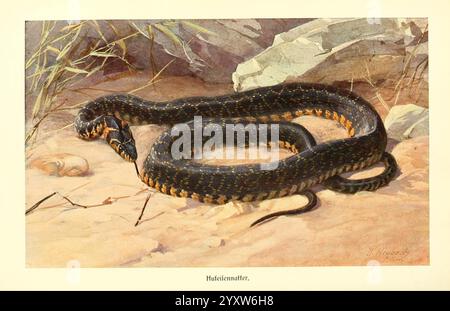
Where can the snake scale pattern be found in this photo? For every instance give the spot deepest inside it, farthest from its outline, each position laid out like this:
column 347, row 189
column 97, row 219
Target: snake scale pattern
column 110, row 117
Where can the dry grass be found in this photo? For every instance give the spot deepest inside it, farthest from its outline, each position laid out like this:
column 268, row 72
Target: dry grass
column 60, row 60
column 57, row 63
column 404, row 79
column 406, row 68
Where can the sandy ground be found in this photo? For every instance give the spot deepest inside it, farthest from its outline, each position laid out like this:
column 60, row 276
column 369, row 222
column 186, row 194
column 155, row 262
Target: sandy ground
column 389, row 225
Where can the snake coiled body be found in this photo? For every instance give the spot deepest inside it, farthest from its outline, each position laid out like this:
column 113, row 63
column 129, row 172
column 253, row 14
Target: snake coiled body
column 311, row 163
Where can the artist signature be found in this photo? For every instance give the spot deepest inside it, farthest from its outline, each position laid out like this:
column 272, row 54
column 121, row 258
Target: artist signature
column 387, row 253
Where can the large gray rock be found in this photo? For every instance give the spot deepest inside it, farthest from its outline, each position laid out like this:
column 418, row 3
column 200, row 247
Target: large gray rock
column 330, row 50
column 211, row 49
column 407, row 121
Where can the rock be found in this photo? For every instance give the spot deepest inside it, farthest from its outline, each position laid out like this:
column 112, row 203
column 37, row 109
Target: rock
column 407, row 121
column 214, row 242
column 61, row 164
column 215, row 46
column 330, row 50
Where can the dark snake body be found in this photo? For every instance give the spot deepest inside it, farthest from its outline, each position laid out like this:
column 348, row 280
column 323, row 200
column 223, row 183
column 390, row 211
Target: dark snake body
column 311, row 164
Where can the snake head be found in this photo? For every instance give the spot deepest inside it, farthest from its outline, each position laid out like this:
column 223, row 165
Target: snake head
column 120, row 138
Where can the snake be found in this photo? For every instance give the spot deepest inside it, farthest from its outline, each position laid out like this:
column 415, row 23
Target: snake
column 111, row 116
